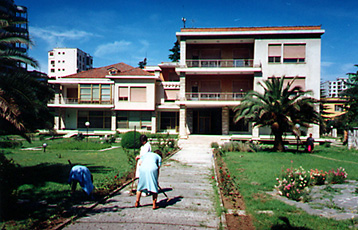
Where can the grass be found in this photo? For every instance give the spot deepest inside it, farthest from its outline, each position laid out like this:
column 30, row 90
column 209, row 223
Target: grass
column 42, row 178
column 256, row 173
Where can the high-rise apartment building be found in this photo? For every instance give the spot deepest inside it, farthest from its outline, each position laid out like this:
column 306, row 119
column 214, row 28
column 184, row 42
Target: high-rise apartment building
column 334, row 88
column 67, row 61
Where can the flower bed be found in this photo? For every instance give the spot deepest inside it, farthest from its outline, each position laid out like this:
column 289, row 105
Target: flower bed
column 293, row 182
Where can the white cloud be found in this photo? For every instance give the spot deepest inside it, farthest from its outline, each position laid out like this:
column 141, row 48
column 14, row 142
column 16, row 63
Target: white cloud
column 112, row 48
column 57, row 37
column 326, row 63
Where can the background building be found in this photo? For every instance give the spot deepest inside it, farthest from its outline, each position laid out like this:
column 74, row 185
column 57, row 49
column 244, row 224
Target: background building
column 334, row 88
column 67, row 61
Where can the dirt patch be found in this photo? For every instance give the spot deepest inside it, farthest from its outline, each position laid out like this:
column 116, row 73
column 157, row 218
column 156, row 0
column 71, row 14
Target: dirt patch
column 236, row 217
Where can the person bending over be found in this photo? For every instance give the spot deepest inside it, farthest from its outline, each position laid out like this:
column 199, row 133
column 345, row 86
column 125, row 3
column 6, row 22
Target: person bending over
column 81, row 174
column 148, row 176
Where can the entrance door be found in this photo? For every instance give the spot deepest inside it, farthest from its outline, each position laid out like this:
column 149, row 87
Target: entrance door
column 207, row 121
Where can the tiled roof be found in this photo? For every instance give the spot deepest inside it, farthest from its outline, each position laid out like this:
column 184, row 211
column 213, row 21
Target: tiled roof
column 268, row 28
column 102, row 72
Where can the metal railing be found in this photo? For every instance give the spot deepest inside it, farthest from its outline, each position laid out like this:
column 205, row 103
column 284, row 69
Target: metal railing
column 220, row 63
column 82, row 101
column 205, row 96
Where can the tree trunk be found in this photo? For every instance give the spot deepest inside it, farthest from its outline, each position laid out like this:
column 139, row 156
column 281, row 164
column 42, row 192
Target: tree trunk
column 278, row 146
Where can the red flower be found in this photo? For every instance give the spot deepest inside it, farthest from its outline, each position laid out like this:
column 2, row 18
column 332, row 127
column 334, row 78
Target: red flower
column 228, row 176
column 115, row 177
column 212, row 177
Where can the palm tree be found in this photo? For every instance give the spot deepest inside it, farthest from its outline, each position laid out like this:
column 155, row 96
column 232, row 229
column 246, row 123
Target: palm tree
column 279, row 107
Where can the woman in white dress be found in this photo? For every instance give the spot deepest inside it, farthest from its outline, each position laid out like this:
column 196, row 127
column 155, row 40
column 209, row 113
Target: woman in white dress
column 145, row 148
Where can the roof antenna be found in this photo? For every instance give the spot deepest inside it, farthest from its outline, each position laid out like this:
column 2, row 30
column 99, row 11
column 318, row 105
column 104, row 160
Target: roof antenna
column 184, row 20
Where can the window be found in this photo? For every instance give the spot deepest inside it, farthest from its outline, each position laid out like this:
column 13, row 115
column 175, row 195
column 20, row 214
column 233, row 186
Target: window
column 240, row 126
column 97, row 119
column 338, row 108
column 274, row 53
column 294, row 53
column 95, row 93
column 134, row 119
column 123, row 93
column 52, row 62
column 169, row 120
column 171, row 95
column 52, row 70
column 51, row 53
column 138, row 94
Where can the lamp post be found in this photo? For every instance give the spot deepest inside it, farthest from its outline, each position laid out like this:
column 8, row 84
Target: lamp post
column 298, row 133
column 44, row 145
column 87, row 124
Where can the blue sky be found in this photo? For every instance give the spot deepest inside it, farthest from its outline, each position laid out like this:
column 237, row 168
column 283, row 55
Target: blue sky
column 115, row 31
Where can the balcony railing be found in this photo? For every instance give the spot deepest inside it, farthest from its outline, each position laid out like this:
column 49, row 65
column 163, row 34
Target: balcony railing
column 233, row 96
column 221, row 63
column 82, row 101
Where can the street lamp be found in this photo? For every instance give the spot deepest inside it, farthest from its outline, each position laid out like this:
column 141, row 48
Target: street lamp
column 87, row 124
column 44, row 145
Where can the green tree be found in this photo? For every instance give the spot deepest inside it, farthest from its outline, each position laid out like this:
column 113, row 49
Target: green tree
column 351, row 94
column 279, row 107
column 175, row 56
column 23, row 95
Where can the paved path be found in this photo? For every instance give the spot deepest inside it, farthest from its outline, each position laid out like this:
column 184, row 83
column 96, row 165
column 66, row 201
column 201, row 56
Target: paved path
column 186, row 180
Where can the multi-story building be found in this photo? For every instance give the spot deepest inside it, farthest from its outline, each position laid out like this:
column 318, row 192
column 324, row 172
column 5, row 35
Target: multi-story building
column 219, row 65
column 195, row 95
column 9, row 10
column 67, row 61
column 331, row 89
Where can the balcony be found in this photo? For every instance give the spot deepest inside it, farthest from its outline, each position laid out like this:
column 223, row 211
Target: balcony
column 220, row 63
column 203, row 96
column 77, row 101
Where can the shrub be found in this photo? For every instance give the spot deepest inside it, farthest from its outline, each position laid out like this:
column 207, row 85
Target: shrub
column 8, row 170
column 130, row 140
column 293, row 183
column 337, row 177
column 214, row 145
column 239, row 146
column 79, row 137
column 317, row 177
column 9, row 143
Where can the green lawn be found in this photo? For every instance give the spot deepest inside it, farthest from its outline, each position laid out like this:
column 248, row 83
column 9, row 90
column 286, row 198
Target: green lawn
column 256, row 173
column 41, row 181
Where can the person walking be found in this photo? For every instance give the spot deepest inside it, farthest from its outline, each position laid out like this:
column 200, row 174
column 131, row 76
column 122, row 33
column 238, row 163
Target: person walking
column 310, row 143
column 148, row 176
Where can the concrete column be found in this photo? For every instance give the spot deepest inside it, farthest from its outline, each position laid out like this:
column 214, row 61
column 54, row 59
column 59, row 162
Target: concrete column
column 182, row 87
column 56, row 125
column 334, row 132
column 154, row 122
column 189, row 120
column 113, row 121
column 255, row 132
column 183, row 53
column 182, row 122
column 225, row 121
column 57, row 94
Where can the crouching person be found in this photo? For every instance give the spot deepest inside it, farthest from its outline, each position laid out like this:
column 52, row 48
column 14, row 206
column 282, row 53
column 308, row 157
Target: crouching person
column 81, row 174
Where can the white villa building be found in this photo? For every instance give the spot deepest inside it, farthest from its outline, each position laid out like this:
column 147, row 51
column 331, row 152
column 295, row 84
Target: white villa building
column 195, row 95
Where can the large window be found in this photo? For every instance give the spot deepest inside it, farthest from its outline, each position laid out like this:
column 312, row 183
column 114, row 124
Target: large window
column 123, row 93
column 95, row 93
column 294, row 53
column 274, row 53
column 97, row 119
column 138, row 94
column 137, row 119
column 169, row 120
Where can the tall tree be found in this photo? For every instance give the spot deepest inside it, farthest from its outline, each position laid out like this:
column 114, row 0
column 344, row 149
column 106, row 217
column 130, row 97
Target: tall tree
column 280, row 107
column 175, row 55
column 351, row 94
column 23, row 95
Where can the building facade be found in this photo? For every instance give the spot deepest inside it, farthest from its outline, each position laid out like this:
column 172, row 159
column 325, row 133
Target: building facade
column 196, row 95
column 332, row 89
column 67, row 61
column 219, row 65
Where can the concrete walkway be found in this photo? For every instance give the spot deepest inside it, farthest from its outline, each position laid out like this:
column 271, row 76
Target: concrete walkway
column 185, row 178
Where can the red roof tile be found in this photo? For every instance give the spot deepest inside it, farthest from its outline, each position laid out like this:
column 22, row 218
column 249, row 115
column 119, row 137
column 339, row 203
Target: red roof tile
column 102, row 72
column 270, row 28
